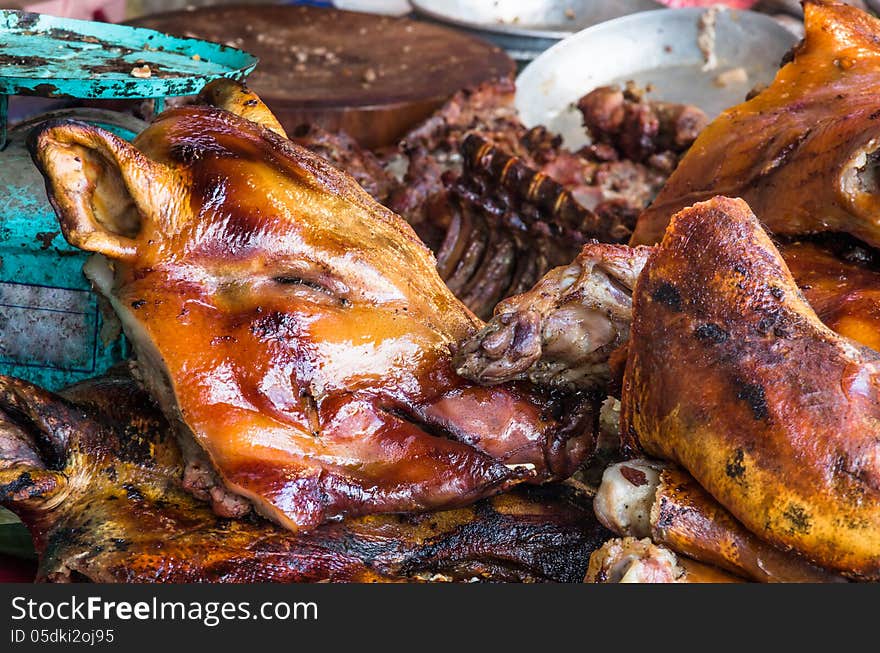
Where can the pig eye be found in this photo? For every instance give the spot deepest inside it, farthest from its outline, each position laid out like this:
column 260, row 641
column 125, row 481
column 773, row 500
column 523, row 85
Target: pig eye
column 290, row 280
column 299, row 282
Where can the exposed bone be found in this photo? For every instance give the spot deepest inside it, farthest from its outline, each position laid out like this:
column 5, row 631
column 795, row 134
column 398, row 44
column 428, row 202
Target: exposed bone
column 626, row 497
column 631, row 560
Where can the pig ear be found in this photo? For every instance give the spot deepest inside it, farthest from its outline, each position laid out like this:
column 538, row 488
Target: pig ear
column 101, row 186
column 237, row 98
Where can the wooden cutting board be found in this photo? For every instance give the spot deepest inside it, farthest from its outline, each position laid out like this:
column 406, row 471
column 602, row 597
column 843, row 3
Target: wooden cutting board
column 374, row 76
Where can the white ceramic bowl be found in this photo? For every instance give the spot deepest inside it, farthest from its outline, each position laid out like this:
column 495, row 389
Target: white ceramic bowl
column 653, row 47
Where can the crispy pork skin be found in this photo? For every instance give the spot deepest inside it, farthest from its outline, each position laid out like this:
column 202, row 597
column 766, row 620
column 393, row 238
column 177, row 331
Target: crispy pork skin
column 338, row 148
column 290, row 326
column 733, row 376
column 95, row 473
column 804, row 152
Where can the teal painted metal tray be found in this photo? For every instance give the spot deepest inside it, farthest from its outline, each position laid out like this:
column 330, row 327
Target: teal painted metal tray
column 64, row 58
column 52, row 331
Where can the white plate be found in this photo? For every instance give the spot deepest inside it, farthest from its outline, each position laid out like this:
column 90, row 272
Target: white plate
column 538, row 18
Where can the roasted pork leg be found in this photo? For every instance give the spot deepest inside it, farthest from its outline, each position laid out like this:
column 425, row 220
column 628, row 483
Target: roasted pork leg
column 562, row 332
column 732, row 376
column 641, row 498
column 95, row 474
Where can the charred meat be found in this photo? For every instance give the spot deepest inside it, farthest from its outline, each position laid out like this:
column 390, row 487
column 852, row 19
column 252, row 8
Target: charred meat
column 96, row 475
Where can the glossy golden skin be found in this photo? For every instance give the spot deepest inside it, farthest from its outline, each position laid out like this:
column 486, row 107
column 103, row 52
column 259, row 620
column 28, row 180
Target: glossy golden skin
column 690, row 522
column 732, row 376
column 95, row 474
column 845, row 295
column 290, row 324
column 803, row 153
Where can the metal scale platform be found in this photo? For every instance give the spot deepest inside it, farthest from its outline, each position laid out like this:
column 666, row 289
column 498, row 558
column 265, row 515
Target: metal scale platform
column 50, row 322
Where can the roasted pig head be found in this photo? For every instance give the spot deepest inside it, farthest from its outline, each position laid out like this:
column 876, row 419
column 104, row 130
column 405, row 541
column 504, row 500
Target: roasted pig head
column 95, row 474
column 804, row 153
column 732, row 375
column 292, row 327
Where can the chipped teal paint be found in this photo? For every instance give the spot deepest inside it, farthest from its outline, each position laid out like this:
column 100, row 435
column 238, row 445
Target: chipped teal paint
column 60, row 57
column 4, row 114
column 49, row 318
column 50, row 324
